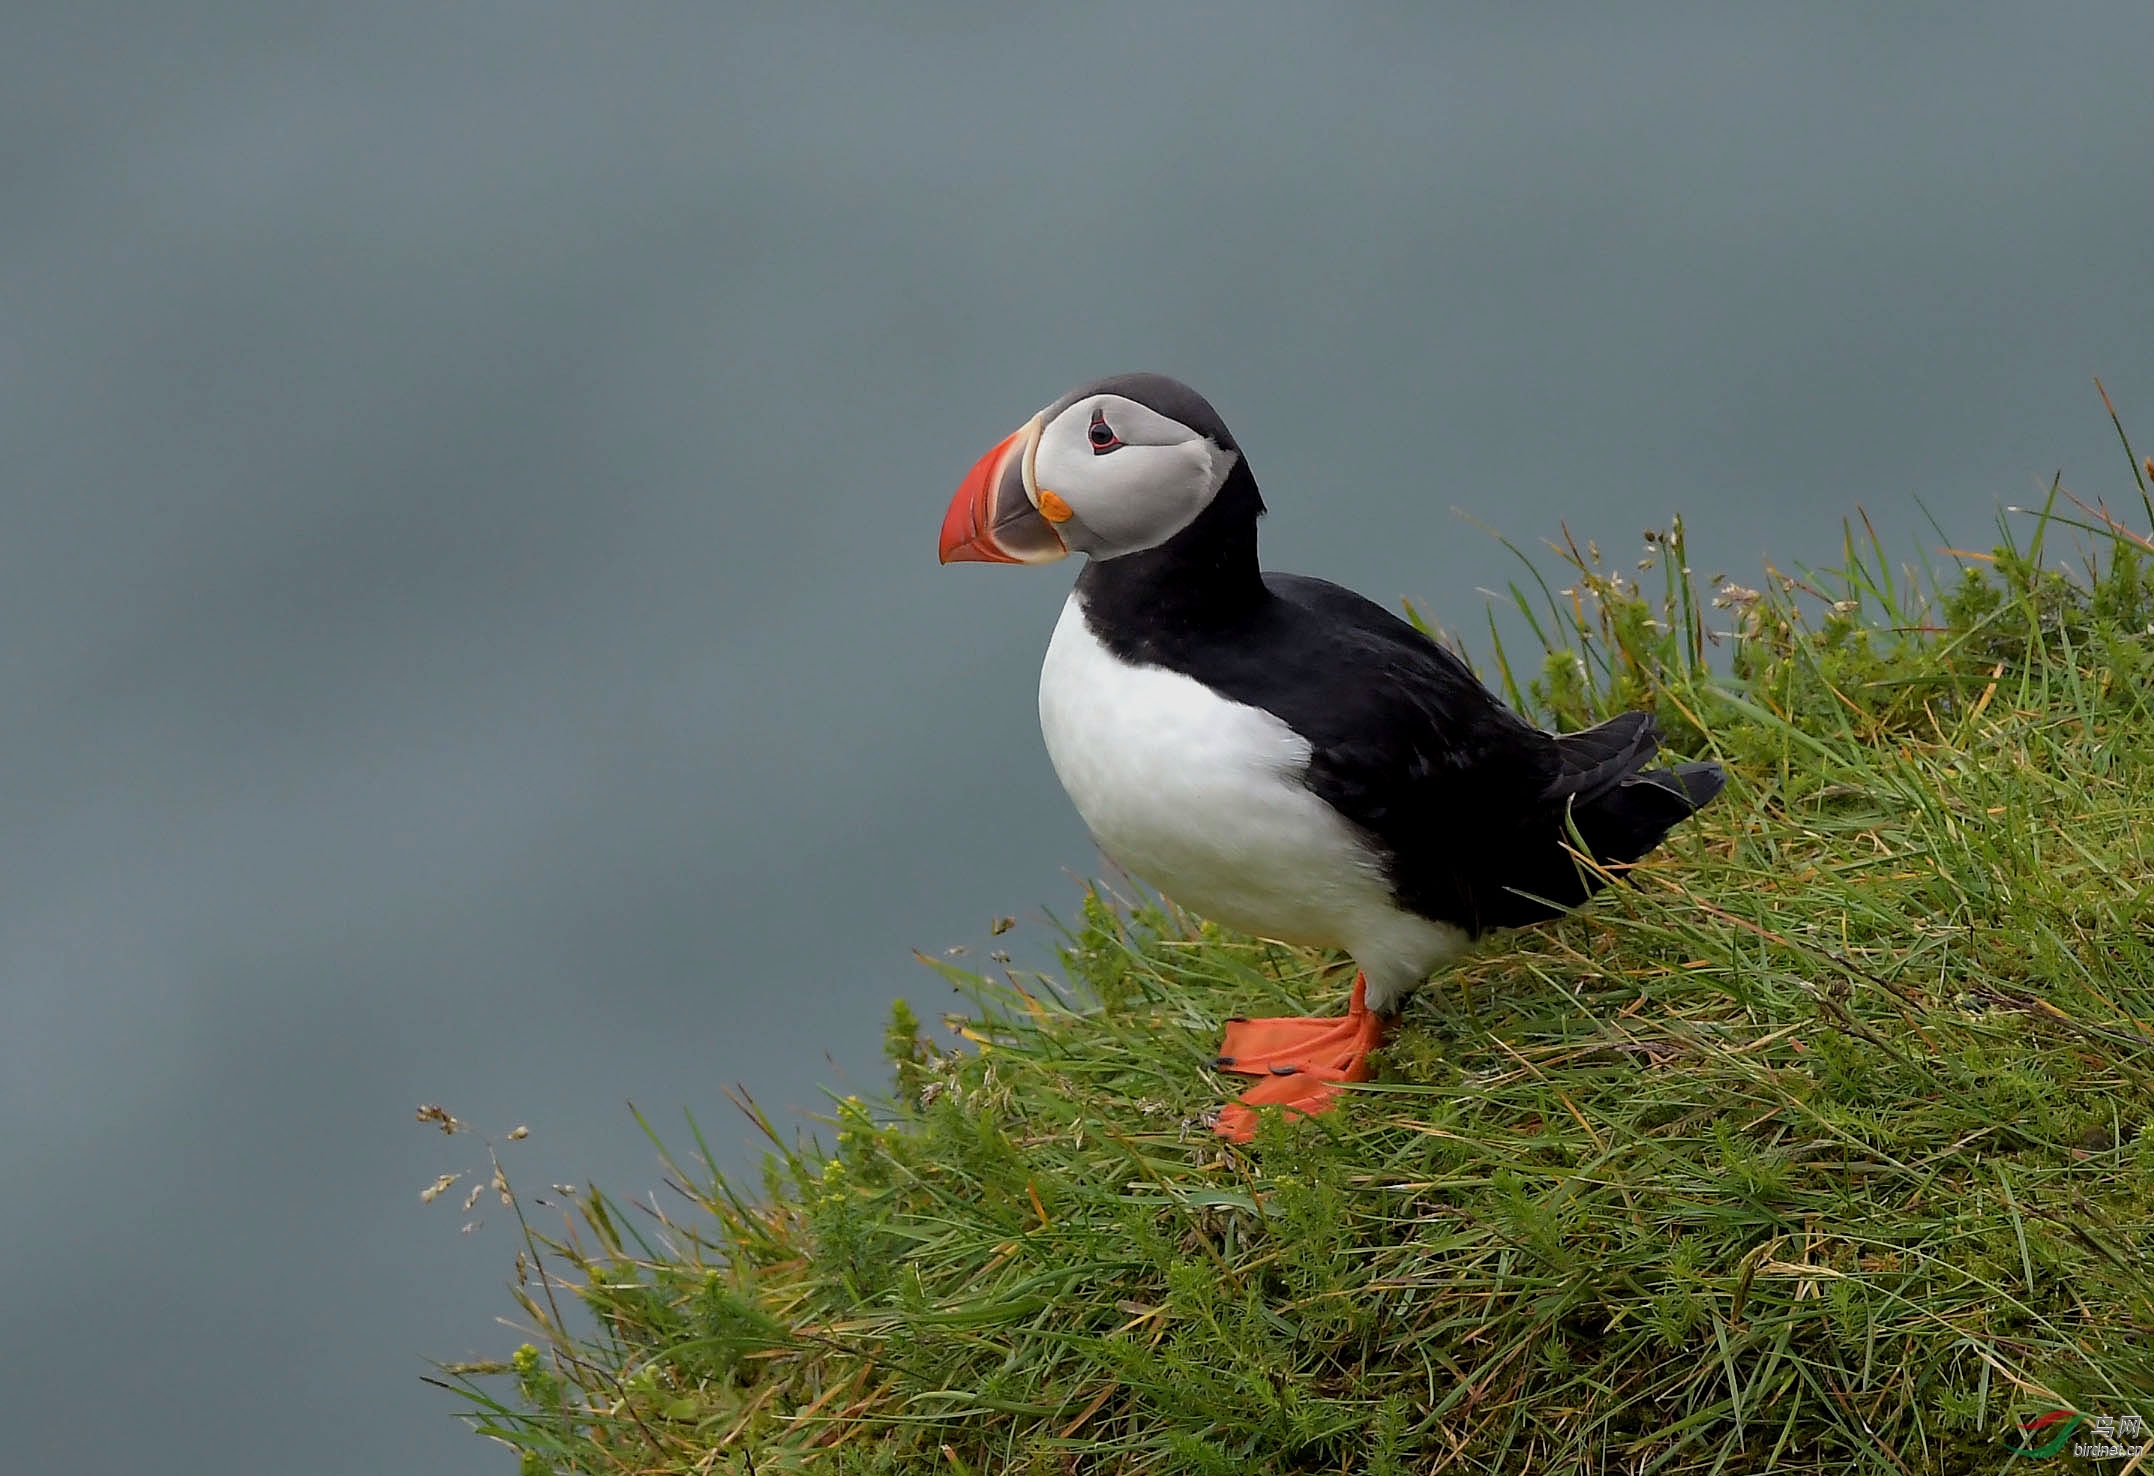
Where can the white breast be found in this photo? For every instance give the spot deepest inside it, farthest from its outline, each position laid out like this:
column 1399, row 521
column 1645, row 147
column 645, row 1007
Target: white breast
column 1203, row 798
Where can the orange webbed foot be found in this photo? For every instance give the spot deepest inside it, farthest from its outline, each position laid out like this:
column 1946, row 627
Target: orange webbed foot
column 1299, row 1059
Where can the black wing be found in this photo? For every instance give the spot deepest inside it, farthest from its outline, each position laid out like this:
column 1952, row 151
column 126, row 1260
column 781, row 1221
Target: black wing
column 1464, row 798
column 1464, row 801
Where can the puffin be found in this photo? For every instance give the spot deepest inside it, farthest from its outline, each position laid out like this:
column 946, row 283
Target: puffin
column 1278, row 753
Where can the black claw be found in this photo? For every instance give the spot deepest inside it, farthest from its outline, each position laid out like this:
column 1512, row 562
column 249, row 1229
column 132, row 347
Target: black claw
column 1237, row 1019
column 1286, row 1070
column 1220, row 1063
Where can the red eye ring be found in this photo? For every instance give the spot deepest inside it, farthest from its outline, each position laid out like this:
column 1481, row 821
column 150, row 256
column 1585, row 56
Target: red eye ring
column 1101, row 434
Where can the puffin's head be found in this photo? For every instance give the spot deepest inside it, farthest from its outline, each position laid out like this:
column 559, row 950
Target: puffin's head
column 1114, row 467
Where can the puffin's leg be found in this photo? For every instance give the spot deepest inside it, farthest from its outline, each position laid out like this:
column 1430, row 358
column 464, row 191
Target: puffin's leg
column 1299, row 1059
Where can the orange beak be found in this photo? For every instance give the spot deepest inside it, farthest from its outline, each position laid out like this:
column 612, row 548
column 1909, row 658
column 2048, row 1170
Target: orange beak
column 993, row 519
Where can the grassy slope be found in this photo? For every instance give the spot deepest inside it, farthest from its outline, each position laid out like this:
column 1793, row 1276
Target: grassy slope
column 1828, row 1145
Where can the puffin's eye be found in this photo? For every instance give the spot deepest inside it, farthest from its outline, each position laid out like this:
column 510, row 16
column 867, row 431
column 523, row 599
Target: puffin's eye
column 1102, row 435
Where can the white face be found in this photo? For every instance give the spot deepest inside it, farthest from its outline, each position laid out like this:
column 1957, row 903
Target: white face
column 1130, row 477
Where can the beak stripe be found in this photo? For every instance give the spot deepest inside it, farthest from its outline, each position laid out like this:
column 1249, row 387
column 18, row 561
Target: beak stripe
column 993, row 518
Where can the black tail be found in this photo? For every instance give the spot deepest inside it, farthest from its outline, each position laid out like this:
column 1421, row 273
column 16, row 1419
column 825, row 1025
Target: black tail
column 1630, row 818
column 1622, row 810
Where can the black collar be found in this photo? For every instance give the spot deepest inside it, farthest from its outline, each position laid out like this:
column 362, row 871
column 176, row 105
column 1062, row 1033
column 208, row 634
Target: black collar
column 1204, row 576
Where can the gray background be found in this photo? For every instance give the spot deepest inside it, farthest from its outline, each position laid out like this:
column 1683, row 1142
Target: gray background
column 469, row 479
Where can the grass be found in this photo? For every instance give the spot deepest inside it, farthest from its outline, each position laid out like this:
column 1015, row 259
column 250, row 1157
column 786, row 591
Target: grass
column 1826, row 1145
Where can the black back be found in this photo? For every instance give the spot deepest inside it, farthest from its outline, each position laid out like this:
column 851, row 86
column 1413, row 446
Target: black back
column 1464, row 801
